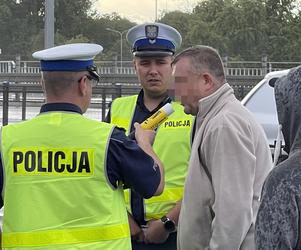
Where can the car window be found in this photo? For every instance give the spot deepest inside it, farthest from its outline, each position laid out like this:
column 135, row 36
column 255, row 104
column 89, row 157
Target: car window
column 262, row 104
column 263, row 101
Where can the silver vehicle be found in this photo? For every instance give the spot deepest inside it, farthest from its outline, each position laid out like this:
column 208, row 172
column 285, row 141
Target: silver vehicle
column 261, row 102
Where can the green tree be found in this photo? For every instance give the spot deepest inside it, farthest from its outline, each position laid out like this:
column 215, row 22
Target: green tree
column 204, row 26
column 241, row 29
column 23, row 24
column 247, row 29
column 244, row 24
column 283, row 20
column 179, row 21
column 20, row 21
column 96, row 31
column 71, row 17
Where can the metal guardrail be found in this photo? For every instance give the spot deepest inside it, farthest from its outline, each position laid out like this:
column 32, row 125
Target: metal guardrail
column 7, row 66
column 116, row 70
column 32, row 67
column 31, row 95
column 25, row 96
column 6, row 69
column 24, row 76
column 244, row 72
column 232, row 68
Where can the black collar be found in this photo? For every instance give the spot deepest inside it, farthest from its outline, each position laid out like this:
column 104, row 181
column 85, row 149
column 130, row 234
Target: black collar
column 60, row 106
column 140, row 102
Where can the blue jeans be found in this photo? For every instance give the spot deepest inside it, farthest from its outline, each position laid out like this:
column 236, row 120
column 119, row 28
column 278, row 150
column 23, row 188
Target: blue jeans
column 169, row 244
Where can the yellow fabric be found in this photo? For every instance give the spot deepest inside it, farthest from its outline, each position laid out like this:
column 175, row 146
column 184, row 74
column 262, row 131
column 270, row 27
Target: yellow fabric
column 73, row 236
column 174, row 132
column 59, row 161
column 55, row 182
column 122, row 111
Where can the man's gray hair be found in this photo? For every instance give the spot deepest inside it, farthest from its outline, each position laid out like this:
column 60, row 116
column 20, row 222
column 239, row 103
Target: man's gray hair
column 58, row 82
column 203, row 58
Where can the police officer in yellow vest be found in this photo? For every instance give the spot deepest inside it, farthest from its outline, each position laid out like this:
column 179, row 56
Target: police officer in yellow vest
column 63, row 172
column 153, row 221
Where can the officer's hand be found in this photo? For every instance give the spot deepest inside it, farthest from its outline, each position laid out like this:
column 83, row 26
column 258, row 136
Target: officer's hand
column 155, row 233
column 144, row 136
column 136, row 232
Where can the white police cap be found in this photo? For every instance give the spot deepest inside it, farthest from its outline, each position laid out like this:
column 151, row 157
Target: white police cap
column 69, row 57
column 154, row 39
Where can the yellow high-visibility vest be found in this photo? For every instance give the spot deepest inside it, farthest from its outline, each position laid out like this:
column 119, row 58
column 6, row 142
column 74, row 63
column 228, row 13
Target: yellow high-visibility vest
column 172, row 145
column 56, row 191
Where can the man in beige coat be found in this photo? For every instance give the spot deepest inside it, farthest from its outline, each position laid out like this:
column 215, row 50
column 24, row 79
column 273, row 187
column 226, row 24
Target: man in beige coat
column 229, row 161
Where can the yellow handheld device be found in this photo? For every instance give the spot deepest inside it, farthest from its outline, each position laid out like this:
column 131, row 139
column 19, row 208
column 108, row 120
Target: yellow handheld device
column 156, row 119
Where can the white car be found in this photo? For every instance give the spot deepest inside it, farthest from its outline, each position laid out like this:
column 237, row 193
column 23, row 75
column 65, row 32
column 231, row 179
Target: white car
column 261, row 102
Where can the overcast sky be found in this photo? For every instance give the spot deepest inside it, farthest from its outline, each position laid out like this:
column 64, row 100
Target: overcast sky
column 143, row 10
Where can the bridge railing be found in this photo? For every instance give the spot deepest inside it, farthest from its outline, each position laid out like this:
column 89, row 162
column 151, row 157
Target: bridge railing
column 232, row 68
column 19, row 101
column 116, row 70
column 7, row 66
column 30, row 70
column 244, row 72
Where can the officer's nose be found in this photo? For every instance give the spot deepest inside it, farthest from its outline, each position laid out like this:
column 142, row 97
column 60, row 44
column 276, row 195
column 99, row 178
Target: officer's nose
column 153, row 70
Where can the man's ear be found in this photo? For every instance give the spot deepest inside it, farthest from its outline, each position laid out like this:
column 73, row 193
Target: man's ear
column 208, row 80
column 83, row 86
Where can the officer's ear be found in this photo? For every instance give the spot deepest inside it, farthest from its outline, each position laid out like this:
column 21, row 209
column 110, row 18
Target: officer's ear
column 83, row 85
column 135, row 63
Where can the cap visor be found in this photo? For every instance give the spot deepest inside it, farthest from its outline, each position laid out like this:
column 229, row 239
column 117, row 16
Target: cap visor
column 152, row 53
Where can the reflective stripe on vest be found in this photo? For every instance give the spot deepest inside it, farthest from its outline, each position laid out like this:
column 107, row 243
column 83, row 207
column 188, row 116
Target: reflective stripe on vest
column 57, row 237
column 170, row 195
column 176, row 130
column 55, row 164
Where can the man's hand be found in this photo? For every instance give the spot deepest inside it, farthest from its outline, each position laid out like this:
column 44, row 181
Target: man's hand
column 136, row 232
column 155, row 232
column 144, row 136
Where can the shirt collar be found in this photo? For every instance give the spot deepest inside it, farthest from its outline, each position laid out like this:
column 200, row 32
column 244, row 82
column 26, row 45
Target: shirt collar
column 215, row 100
column 60, row 106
